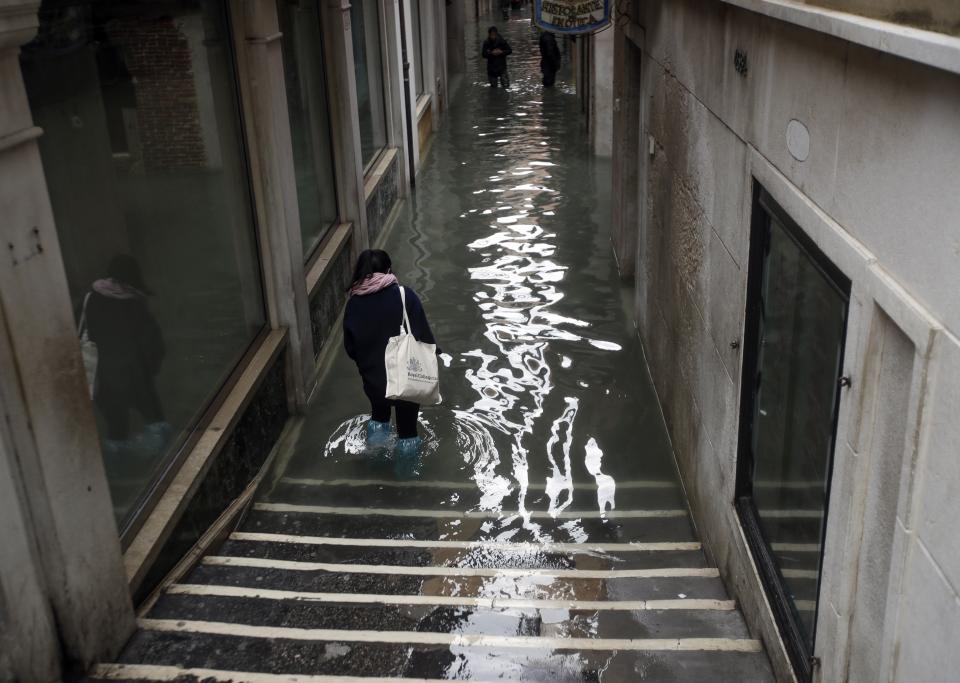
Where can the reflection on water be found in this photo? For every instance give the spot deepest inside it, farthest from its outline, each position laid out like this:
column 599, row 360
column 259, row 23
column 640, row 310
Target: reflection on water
column 547, row 404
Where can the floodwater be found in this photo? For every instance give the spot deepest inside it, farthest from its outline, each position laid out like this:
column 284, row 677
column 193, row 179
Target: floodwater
column 549, row 435
column 547, row 402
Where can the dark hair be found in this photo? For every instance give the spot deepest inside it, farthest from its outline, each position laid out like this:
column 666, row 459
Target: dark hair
column 125, row 268
column 369, row 262
column 493, row 29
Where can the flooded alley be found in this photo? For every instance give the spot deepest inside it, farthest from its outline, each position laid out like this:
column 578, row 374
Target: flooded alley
column 543, row 534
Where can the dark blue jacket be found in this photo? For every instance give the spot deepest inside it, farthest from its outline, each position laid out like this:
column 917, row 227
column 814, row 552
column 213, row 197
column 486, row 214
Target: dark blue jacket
column 369, row 321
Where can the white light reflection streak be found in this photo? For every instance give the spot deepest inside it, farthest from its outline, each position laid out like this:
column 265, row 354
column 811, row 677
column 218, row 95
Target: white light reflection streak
column 562, row 477
column 518, row 287
column 606, row 486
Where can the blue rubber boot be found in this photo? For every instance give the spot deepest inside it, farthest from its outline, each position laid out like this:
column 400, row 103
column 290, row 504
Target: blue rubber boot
column 406, row 457
column 378, row 433
column 116, row 447
column 155, row 437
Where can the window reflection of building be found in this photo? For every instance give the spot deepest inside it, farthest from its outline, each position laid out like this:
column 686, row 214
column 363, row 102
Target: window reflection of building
column 309, row 118
column 142, row 154
column 368, row 65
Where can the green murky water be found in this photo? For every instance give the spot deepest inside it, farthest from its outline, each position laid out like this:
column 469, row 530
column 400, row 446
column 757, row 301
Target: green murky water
column 548, row 409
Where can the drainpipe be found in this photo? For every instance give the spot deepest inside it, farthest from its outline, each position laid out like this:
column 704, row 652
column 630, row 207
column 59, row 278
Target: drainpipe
column 406, row 91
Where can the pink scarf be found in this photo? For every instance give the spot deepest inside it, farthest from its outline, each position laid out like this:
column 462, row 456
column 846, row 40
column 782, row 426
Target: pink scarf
column 115, row 289
column 373, row 283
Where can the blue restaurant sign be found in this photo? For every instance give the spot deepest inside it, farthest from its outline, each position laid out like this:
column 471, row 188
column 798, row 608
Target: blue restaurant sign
column 572, row 17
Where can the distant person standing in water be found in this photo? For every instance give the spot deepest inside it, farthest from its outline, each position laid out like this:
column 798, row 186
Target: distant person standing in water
column 373, row 315
column 495, row 51
column 549, row 58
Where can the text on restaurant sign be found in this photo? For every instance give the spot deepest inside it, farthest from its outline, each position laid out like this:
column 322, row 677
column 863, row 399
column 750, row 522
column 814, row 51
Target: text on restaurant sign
column 572, row 16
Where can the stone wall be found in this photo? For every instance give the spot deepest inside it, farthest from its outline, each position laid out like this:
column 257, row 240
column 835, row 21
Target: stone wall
column 601, row 92
column 874, row 192
column 385, row 196
column 329, row 298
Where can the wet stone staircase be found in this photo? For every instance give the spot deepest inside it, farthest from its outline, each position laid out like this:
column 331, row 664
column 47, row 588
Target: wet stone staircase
column 372, row 584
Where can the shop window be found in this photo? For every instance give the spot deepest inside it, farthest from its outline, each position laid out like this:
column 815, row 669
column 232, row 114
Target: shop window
column 421, row 83
column 148, row 181
column 796, row 325
column 368, row 65
column 303, row 67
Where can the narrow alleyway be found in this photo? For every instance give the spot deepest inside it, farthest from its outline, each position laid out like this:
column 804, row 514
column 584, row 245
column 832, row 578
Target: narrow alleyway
column 544, row 535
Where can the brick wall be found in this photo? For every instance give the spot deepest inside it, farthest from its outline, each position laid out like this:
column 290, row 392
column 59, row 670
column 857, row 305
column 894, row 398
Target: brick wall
column 157, row 55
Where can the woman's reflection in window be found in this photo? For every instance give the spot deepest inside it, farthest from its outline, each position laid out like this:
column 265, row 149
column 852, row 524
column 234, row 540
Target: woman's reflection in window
column 130, row 350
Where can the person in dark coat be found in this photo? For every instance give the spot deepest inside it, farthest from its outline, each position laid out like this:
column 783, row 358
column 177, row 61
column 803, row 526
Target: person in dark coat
column 549, row 58
column 495, row 51
column 373, row 315
column 130, row 350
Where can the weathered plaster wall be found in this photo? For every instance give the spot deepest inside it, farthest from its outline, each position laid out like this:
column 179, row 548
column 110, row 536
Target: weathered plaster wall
column 385, row 196
column 933, row 15
column 456, row 18
column 60, row 571
column 601, row 95
column 878, row 193
column 329, row 299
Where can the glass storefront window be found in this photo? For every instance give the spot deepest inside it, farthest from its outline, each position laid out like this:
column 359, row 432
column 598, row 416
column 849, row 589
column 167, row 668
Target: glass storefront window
column 368, row 65
column 303, row 68
column 801, row 345
column 798, row 307
column 148, row 180
column 418, row 48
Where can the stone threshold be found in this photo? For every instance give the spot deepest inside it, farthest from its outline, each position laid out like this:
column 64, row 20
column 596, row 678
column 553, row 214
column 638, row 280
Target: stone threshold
column 327, row 255
column 423, row 103
column 379, row 169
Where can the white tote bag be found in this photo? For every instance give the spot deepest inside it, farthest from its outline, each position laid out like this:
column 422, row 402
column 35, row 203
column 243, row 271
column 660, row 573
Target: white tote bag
column 413, row 373
column 88, row 349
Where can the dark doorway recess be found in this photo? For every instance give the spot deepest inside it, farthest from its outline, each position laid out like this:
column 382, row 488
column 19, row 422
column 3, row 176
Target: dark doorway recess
column 797, row 308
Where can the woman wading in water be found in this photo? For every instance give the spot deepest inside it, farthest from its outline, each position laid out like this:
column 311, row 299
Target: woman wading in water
column 374, row 315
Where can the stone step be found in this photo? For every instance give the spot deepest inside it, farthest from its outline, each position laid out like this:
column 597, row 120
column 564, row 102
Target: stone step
column 467, row 496
column 464, row 554
column 445, row 466
column 471, row 572
column 491, row 602
column 465, row 484
column 675, row 527
column 539, row 659
column 472, row 513
column 665, row 584
column 266, row 610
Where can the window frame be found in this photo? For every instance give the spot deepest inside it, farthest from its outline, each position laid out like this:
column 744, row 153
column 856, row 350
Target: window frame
column 764, row 209
column 419, row 63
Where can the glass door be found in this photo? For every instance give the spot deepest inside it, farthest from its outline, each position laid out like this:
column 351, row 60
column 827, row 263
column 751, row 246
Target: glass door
column 796, row 324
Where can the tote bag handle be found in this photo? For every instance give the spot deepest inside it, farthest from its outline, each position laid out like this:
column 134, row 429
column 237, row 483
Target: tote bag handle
column 405, row 323
column 82, row 327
